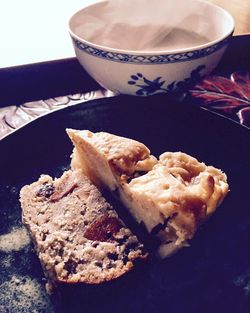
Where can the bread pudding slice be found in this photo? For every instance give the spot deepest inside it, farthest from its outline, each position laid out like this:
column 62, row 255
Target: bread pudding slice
column 78, row 236
column 171, row 196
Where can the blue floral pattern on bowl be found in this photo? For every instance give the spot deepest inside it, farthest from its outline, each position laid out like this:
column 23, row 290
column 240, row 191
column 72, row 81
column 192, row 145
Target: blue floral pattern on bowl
column 148, row 87
column 150, row 59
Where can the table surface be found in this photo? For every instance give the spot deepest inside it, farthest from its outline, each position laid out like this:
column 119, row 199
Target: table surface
column 33, row 31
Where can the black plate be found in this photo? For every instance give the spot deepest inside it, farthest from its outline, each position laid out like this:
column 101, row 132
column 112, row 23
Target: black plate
column 213, row 275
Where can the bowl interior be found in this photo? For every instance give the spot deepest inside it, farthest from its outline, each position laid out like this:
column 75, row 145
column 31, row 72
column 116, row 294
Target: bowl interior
column 172, row 25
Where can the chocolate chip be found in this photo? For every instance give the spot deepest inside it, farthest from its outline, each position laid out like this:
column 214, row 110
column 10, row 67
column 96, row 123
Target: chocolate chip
column 112, row 256
column 43, row 236
column 125, row 258
column 98, row 263
column 70, row 266
column 46, row 190
column 122, row 240
column 131, row 245
column 109, row 266
column 60, row 252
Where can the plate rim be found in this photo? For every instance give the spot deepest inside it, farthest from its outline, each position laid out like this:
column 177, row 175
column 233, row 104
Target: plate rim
column 187, row 101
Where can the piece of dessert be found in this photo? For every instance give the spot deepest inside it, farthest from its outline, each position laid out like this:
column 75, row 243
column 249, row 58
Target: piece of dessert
column 171, row 196
column 77, row 234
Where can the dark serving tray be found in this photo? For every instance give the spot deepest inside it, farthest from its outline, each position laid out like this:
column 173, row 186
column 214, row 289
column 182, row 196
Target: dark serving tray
column 213, row 275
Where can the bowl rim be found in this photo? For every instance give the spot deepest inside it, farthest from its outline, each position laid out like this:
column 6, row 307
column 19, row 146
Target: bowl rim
column 223, row 38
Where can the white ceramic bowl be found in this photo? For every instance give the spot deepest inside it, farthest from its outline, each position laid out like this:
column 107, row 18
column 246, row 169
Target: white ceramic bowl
column 145, row 73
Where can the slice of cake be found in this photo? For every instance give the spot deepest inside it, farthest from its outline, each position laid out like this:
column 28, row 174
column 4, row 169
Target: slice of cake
column 77, row 234
column 171, row 196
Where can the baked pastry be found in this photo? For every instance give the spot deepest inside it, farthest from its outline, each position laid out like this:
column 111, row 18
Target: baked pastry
column 171, row 196
column 77, row 234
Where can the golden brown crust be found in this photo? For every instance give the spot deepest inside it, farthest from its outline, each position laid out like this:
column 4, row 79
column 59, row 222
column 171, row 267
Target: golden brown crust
column 124, row 156
column 211, row 181
column 171, row 196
